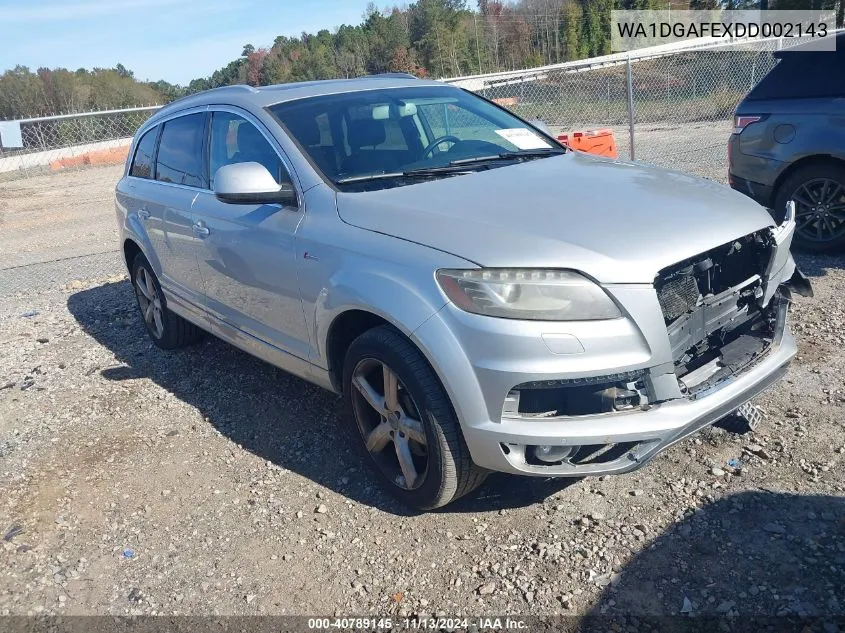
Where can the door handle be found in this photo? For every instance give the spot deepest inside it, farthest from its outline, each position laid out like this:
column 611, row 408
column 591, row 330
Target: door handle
column 201, row 229
column 143, row 214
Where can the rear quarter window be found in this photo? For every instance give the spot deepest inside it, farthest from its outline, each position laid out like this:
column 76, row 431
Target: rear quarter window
column 142, row 163
column 803, row 75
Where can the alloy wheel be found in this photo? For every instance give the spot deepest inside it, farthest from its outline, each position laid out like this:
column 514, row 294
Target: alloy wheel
column 820, row 210
column 390, row 424
column 149, row 301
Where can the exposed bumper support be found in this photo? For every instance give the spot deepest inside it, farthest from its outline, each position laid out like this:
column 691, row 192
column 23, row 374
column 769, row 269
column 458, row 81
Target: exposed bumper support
column 650, row 432
column 799, row 284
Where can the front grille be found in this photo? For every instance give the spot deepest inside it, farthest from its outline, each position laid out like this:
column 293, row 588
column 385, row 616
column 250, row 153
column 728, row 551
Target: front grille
column 681, row 287
column 714, row 317
column 678, row 296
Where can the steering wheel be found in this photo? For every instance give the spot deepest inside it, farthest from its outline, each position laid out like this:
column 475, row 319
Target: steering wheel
column 430, row 147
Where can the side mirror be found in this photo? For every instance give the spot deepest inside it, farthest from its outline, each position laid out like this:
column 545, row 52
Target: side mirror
column 250, row 183
column 541, row 125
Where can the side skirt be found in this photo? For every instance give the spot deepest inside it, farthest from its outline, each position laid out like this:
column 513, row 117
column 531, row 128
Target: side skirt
column 252, row 345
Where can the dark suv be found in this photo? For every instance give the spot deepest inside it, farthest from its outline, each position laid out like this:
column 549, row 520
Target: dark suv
column 789, row 144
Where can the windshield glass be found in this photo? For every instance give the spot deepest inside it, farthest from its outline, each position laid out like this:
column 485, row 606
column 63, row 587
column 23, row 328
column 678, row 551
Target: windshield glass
column 353, row 136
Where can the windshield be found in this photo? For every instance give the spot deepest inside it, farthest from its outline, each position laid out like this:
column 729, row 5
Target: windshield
column 395, row 133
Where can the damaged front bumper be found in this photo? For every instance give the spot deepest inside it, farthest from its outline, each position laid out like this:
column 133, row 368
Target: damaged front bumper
column 635, row 386
column 618, row 442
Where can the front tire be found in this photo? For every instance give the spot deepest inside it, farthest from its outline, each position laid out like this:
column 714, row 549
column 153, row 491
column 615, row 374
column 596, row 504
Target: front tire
column 166, row 329
column 405, row 423
column 819, row 193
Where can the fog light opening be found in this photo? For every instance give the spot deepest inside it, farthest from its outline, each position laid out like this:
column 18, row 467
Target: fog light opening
column 552, row 454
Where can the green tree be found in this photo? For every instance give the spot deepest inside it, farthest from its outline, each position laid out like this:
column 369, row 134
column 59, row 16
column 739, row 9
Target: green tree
column 441, row 37
column 121, row 70
column 570, row 30
column 595, row 28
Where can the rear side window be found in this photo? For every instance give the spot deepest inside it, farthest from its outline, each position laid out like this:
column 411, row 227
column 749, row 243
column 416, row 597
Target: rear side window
column 803, row 76
column 180, row 151
column 142, row 164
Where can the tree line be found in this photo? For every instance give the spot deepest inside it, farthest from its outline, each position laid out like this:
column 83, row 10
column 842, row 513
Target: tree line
column 24, row 93
column 439, row 38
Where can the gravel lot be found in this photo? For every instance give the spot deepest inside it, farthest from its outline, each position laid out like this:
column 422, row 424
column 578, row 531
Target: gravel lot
column 206, row 482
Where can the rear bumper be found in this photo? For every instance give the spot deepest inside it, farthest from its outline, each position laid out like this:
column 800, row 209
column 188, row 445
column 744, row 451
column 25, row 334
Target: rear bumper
column 760, row 193
column 752, row 175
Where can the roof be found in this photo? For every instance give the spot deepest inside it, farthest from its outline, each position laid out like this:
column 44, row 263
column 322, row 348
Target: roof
column 242, row 95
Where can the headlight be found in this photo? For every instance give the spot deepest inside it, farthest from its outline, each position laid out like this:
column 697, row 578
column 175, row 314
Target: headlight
column 537, row 295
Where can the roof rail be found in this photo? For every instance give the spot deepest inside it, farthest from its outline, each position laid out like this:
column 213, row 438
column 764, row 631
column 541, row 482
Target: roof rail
column 217, row 89
column 392, row 76
column 241, row 87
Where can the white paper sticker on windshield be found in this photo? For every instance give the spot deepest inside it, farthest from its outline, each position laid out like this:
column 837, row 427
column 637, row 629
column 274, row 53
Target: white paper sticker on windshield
column 523, row 138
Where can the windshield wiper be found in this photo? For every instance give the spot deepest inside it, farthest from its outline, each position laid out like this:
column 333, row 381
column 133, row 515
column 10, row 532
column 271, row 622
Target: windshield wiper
column 526, row 153
column 367, row 177
column 454, row 167
column 413, row 173
column 460, row 165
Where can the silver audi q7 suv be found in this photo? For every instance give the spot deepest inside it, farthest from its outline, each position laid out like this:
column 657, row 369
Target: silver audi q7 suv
column 482, row 297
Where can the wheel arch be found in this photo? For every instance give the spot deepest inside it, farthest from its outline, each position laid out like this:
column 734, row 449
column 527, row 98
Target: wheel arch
column 349, row 325
column 135, row 241
column 131, row 249
column 343, row 330
column 815, row 159
column 360, row 297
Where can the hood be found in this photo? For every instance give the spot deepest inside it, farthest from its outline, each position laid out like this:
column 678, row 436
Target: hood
column 617, row 222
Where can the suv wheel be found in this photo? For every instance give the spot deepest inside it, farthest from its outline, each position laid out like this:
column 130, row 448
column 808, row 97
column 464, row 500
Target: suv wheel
column 819, row 194
column 166, row 329
column 405, row 422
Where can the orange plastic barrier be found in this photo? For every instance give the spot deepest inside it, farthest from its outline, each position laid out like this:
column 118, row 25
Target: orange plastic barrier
column 599, row 142
column 112, row 156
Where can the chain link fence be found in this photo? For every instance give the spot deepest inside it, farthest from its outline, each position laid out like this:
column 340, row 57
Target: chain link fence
column 43, row 144
column 672, row 108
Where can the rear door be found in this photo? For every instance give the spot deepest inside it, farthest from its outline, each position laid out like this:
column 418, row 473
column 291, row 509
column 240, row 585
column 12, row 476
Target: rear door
column 139, row 195
column 180, row 173
column 247, row 258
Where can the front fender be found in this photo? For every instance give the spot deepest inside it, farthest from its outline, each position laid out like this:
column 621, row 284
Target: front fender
column 384, row 292
column 342, row 267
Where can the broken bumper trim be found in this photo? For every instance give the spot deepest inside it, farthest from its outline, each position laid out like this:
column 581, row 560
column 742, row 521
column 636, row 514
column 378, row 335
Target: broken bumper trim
column 503, row 446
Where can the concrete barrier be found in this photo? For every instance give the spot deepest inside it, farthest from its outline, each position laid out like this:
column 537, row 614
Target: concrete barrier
column 101, row 153
column 112, row 156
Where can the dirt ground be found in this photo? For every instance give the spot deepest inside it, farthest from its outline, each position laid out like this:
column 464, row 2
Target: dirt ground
column 203, row 481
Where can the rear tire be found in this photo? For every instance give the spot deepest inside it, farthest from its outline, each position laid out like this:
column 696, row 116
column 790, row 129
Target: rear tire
column 820, row 213
column 166, row 329
column 421, row 417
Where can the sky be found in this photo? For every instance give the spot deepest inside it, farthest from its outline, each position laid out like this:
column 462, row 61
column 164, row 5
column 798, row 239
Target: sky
column 174, row 40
